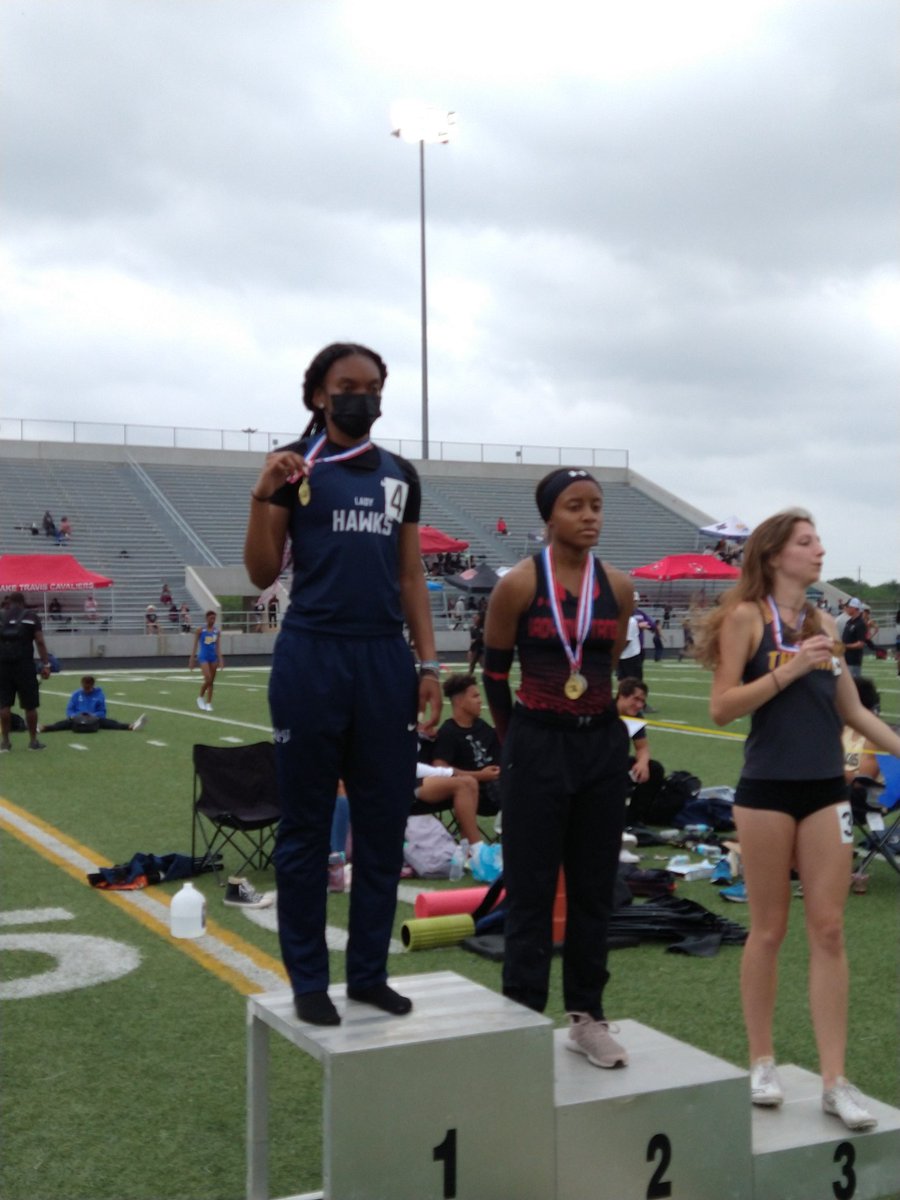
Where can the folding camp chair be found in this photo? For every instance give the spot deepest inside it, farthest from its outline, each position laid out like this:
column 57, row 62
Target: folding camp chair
column 871, row 802
column 235, row 804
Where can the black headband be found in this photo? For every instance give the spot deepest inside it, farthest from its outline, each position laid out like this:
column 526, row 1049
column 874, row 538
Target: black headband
column 551, row 486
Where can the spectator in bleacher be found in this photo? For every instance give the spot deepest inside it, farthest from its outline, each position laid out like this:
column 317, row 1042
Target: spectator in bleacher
column 343, row 689
column 35, row 529
column 90, row 607
column 502, row 528
column 273, row 611
column 259, row 614
column 89, row 701
column 151, row 621
column 48, row 525
column 207, row 652
column 773, row 658
column 54, row 608
column 173, row 614
column 184, row 614
column 65, row 530
column 564, row 778
column 165, row 596
column 20, row 636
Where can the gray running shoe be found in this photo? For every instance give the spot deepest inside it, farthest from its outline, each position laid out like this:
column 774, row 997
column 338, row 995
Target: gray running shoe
column 593, row 1039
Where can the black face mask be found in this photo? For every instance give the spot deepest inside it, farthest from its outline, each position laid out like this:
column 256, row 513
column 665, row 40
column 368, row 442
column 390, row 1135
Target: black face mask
column 354, row 413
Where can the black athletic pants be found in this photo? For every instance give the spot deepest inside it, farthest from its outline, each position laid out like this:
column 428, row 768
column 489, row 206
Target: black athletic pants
column 563, row 799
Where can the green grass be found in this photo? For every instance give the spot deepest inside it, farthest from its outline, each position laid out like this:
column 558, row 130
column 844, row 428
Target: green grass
column 133, row 1089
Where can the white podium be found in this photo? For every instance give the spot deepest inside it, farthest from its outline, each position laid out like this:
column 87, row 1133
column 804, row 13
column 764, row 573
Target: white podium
column 472, row 1097
column 452, row 1102
column 799, row 1153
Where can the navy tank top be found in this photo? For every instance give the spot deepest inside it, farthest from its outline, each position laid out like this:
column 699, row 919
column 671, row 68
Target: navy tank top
column 796, row 734
column 545, row 667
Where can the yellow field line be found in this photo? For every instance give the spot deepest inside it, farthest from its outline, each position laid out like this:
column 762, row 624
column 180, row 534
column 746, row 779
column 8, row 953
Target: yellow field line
column 143, row 912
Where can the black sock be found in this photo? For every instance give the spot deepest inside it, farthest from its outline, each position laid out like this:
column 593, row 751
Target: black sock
column 383, row 997
column 316, row 1009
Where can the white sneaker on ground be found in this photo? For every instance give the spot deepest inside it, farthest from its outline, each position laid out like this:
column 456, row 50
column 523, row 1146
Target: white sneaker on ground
column 765, row 1086
column 845, row 1101
column 201, row 704
column 240, row 893
column 209, row 707
column 626, row 856
column 593, row 1039
column 628, row 839
column 139, row 723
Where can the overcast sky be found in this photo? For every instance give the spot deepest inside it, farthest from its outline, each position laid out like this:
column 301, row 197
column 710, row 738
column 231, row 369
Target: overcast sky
column 666, row 228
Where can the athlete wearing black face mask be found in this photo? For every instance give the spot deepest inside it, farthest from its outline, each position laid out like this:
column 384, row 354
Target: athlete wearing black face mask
column 354, row 413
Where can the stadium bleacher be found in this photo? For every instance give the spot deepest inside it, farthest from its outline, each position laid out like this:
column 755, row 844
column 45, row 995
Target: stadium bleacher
column 170, row 508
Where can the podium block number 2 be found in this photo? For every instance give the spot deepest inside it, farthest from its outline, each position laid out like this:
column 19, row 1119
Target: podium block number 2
column 446, row 1153
column 659, row 1147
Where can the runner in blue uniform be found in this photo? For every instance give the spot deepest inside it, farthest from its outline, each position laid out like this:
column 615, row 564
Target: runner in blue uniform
column 207, row 651
column 564, row 777
column 344, row 693
column 776, row 659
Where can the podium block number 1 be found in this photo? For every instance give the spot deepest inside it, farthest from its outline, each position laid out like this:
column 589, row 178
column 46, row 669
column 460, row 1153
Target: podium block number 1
column 446, row 1153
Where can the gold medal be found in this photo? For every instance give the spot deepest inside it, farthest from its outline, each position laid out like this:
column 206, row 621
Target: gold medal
column 304, row 491
column 576, row 686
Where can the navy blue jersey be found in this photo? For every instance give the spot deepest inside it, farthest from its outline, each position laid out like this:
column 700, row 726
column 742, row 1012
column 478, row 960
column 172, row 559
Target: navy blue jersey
column 796, row 734
column 545, row 667
column 345, row 541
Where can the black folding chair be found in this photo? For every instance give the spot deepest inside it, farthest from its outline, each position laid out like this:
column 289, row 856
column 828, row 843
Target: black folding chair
column 235, row 804
column 872, row 802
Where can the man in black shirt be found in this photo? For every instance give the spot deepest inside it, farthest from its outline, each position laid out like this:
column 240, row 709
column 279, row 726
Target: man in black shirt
column 20, row 631
column 468, row 743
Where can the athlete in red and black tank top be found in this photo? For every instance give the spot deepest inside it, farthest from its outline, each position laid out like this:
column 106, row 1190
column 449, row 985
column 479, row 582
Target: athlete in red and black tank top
column 545, row 668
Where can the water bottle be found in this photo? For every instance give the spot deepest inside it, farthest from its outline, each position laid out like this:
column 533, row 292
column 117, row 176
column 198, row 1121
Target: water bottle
column 697, row 830
column 336, row 871
column 187, row 913
column 458, row 861
column 713, row 853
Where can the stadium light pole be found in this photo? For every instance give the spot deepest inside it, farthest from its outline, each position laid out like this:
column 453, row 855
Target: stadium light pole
column 421, row 123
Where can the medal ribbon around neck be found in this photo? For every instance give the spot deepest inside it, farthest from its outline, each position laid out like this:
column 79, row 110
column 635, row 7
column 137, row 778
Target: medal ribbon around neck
column 583, row 616
column 312, row 457
column 777, row 628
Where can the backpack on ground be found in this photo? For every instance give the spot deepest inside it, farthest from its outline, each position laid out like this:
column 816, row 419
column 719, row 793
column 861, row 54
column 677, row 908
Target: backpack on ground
column 677, row 791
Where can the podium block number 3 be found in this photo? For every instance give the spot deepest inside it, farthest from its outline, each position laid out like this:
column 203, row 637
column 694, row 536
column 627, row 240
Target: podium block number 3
column 846, row 1156
column 659, row 1147
column 446, row 1153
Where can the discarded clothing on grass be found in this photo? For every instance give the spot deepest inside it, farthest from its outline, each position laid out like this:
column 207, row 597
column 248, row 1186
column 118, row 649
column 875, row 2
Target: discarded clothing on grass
column 688, row 926
column 144, row 869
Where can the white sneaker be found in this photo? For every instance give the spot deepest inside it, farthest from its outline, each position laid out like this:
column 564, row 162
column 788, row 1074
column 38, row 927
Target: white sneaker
column 209, row 707
column 139, row 723
column 626, row 856
column 592, row 1038
column 628, row 839
column 845, row 1101
column 201, row 704
column 765, row 1086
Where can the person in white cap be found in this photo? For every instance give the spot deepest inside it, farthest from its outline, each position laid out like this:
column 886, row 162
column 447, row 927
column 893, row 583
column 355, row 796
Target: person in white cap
column 853, row 635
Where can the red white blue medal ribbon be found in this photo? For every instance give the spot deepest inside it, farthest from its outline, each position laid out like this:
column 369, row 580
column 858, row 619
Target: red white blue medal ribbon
column 583, row 613
column 312, row 455
column 777, row 629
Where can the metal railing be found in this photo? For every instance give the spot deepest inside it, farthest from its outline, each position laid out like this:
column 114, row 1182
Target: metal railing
column 26, row 429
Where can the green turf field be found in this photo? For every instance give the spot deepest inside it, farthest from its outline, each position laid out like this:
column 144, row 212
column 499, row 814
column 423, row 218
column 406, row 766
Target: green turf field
column 128, row 1082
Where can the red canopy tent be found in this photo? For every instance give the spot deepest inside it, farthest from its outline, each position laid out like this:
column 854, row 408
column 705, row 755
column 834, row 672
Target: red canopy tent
column 47, row 573
column 686, row 566
column 435, row 541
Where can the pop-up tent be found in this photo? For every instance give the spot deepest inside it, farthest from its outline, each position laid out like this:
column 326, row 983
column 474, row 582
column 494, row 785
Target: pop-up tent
column 687, row 566
column 435, row 541
column 47, row 573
